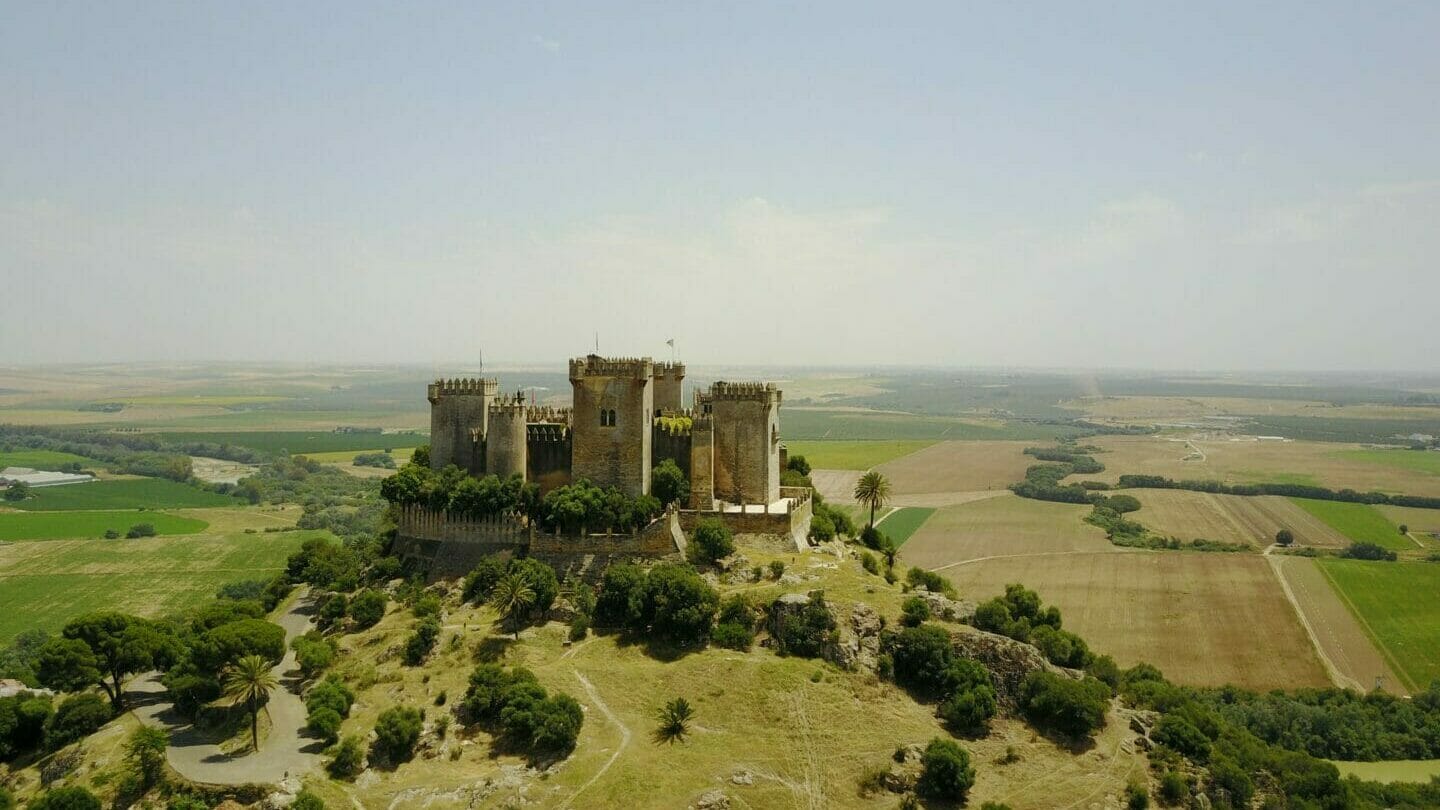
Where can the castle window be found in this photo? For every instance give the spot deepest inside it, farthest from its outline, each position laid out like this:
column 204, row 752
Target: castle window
column 612, row 418
column 607, row 418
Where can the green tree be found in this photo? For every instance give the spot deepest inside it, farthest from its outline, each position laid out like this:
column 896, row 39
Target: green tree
column 305, row 800
column 145, row 749
column 249, row 682
column 668, row 484
column 914, row 612
column 798, row 464
column 872, row 490
column 368, row 608
column 397, row 730
column 347, row 758
column 17, row 491
column 675, row 717
column 513, row 596
column 119, row 646
column 66, row 798
column 712, row 541
column 77, row 717
column 945, row 771
column 1284, row 537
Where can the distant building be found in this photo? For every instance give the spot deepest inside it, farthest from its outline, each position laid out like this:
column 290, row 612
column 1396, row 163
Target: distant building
column 40, row 478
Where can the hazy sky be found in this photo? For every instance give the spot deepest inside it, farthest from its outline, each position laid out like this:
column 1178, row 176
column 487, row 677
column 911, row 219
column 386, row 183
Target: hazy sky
column 1088, row 184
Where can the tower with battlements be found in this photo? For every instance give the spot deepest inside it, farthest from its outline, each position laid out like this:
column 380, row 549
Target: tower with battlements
column 746, row 418
column 506, row 438
column 459, row 410
column 669, row 386
column 612, row 417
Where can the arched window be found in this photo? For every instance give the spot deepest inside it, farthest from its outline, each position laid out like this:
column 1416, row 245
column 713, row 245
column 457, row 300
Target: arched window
column 607, row 417
column 612, row 418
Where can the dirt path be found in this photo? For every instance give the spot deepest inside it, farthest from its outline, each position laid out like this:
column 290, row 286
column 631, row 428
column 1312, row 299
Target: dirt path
column 1349, row 657
column 594, row 695
column 1116, row 550
column 284, row 751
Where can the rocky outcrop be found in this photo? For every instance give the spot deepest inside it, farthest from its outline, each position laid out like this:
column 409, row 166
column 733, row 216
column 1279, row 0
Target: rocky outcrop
column 712, row 800
column 944, row 608
column 858, row 645
column 1008, row 660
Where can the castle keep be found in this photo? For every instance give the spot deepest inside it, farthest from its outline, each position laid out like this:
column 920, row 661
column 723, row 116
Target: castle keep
column 627, row 416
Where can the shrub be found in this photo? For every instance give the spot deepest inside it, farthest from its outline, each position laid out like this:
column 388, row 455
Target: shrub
column 805, row 632
column 798, row 464
column 397, row 730
column 945, row 771
column 1072, row 708
column 305, row 800
column 922, row 659
column 914, row 612
column 1284, row 537
column 1136, row 796
column 579, row 627
column 78, row 716
column 325, row 724
column 542, row 580
column 330, row 694
column 871, row 537
column 482, row 578
column 1105, row 670
column 1178, row 733
column 821, row 527
column 679, row 606
column 711, row 542
column 346, row 759
column 1061, row 647
column 1174, row 790
column 622, row 596
column 548, row 724
column 668, row 484
column 421, row 641
column 931, row 581
column 735, row 627
column 313, row 653
column 141, row 530
column 968, row 710
column 777, row 569
column 66, row 798
column 427, row 606
column 368, row 608
column 869, row 562
column 1368, row 551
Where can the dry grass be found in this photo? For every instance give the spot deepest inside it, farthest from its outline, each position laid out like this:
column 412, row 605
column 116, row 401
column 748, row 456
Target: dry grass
column 1204, row 619
column 1002, row 526
column 959, row 467
column 1151, row 408
column 1231, row 518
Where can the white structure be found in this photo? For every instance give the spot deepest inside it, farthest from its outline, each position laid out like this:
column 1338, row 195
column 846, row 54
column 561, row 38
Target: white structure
column 39, row 478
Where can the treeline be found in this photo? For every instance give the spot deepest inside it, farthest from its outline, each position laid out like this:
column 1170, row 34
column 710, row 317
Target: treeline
column 332, row 499
column 132, row 453
column 1337, row 723
column 1042, row 481
column 1287, row 490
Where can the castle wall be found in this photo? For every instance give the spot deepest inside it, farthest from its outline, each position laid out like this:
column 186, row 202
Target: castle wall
column 669, row 385
column 506, row 440
column 790, row 528
column 547, row 456
column 674, row 445
column 702, row 459
column 458, row 412
column 747, row 442
column 615, row 454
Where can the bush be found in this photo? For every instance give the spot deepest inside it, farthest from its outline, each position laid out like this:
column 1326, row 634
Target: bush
column 869, row 562
column 914, row 612
column 679, row 606
column 1284, row 537
column 711, row 542
column 579, row 627
column 1136, row 796
column 798, row 464
column 330, row 694
column 305, row 800
column 968, row 711
column 397, row 730
column 427, row 606
column 777, row 569
column 871, row 537
column 77, row 717
column 805, row 633
column 735, row 627
column 922, row 658
column 1178, row 733
column 325, row 724
column 668, row 484
column 422, row 641
column 621, row 597
column 313, row 653
column 66, row 798
column 1174, row 790
column 522, row 708
column 346, row 759
column 368, row 608
column 141, row 530
column 945, row 771
column 821, row 527
column 931, row 581
column 1055, row 702
column 1368, row 551
column 542, row 580
column 482, row 578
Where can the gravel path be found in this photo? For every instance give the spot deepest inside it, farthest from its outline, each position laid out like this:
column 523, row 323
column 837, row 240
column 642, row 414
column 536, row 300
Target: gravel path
column 284, row 751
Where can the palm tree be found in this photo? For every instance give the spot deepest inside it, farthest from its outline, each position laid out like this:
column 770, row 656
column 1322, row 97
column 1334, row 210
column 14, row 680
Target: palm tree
column 873, row 490
column 249, row 681
column 675, row 719
column 888, row 550
column 512, row 596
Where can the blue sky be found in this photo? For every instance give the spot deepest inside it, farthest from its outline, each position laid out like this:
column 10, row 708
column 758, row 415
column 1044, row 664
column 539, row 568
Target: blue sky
column 1240, row 186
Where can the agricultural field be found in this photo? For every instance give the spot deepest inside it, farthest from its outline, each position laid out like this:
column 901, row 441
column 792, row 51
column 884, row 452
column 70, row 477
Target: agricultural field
column 1147, row 409
column 809, row 424
column 1419, row 521
column 1351, row 657
column 1398, row 604
column 400, row 454
column 1420, row 461
column 1248, row 462
column 1231, row 518
column 1002, row 526
column 859, row 455
column 42, row 459
column 958, row 467
column 46, row 584
column 1358, row 521
column 902, row 523
column 121, row 493
column 299, row 441
column 1204, row 619
column 55, row 525
column 1404, row 770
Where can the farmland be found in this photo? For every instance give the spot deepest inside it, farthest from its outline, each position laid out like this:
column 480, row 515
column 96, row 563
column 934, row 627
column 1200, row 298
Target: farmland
column 902, row 523
column 1398, row 604
column 1002, row 526
column 121, row 493
column 958, row 467
column 46, row 584
column 1231, row 518
column 1204, row 619
column 298, row 441
column 1427, row 461
column 1405, row 770
column 857, row 455
column 854, row 424
column 1358, row 521
column 53, row 525
column 41, row 459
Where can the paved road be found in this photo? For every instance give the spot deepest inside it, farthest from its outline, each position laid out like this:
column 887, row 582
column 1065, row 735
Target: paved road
column 285, row 750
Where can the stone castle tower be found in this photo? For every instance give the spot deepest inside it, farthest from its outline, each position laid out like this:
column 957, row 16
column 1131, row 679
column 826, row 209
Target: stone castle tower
column 746, row 418
column 459, row 409
column 613, row 418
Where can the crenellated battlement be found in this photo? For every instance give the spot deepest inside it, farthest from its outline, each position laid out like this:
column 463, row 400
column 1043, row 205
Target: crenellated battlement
column 669, row 369
column 509, row 405
column 463, row 387
column 744, row 391
column 548, row 413
column 546, row 432
column 593, row 365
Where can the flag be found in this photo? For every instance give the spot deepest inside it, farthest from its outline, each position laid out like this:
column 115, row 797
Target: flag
column 670, row 343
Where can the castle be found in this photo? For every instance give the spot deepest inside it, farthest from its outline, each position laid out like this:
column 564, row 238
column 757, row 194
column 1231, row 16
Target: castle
column 627, row 415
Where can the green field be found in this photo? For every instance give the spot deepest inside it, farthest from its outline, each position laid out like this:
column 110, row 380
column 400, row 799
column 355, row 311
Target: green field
column 862, row 425
column 41, row 459
column 828, row 455
column 1398, row 605
column 55, row 525
column 123, row 493
column 1404, row 770
column 299, row 441
column 1425, row 461
column 904, row 522
column 401, row 455
column 45, row 585
column 1358, row 521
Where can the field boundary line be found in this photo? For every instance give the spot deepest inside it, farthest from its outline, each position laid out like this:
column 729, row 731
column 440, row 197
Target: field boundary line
column 1117, row 550
column 1385, row 652
column 1339, row 678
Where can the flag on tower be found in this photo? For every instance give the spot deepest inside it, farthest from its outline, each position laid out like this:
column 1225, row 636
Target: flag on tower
column 670, row 343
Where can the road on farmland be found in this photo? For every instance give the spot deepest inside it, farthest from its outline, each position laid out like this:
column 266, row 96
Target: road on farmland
column 284, row 751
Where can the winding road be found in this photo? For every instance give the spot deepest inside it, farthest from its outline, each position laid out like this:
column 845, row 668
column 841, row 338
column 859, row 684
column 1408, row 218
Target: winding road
column 283, row 752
